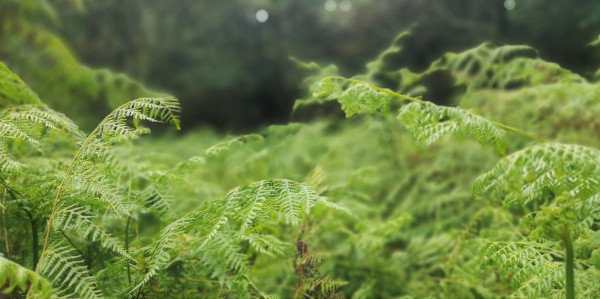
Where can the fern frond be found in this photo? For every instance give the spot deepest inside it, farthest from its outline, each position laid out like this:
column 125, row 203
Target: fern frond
column 356, row 97
column 543, row 172
column 223, row 257
column 115, row 126
column 158, row 253
column 266, row 244
column 429, row 122
column 67, row 272
column 259, row 202
column 39, row 116
column 247, row 209
column 531, row 267
column 426, row 121
column 16, row 277
column 8, row 164
column 79, row 220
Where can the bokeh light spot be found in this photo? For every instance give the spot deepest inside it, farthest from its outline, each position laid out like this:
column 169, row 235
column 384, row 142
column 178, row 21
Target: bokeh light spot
column 330, row 5
column 262, row 15
column 510, row 4
column 345, row 5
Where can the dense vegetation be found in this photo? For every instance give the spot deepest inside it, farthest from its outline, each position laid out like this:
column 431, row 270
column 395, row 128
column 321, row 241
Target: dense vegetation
column 476, row 177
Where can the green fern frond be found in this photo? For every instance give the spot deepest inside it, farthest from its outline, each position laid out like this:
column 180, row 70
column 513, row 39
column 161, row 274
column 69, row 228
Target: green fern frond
column 259, row 202
column 16, row 277
column 248, row 209
column 266, row 244
column 356, row 97
column 428, row 123
column 223, row 257
column 79, row 220
column 28, row 124
column 531, row 267
column 543, row 172
column 67, row 272
column 158, row 256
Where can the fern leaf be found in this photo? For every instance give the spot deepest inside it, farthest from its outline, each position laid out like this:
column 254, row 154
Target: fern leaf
column 539, row 172
column 67, row 272
column 428, row 122
column 254, row 204
column 79, row 220
column 16, row 277
column 356, row 97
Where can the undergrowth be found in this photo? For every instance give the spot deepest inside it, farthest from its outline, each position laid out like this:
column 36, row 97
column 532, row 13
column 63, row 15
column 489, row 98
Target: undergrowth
column 476, row 178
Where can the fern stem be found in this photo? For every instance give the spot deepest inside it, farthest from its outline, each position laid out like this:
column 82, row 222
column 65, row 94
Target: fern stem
column 71, row 242
column 4, row 229
column 569, row 265
column 35, row 240
column 127, row 247
column 59, row 188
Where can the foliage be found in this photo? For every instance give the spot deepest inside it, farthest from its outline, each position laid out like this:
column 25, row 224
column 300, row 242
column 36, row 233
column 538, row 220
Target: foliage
column 329, row 208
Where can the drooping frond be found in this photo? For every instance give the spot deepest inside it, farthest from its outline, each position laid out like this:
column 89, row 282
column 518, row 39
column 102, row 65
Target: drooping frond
column 123, row 123
column 15, row 277
column 355, row 97
column 67, row 272
column 223, row 258
column 28, row 124
column 87, row 171
column 79, row 220
column 429, row 122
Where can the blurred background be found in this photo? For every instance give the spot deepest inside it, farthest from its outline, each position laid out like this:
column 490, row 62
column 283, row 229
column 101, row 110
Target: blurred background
column 230, row 61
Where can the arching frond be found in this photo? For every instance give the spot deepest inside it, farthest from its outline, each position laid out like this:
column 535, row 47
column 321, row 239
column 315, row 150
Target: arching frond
column 428, row 123
column 79, row 220
column 356, row 97
column 67, row 272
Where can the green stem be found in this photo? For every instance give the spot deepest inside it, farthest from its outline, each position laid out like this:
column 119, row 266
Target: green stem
column 569, row 266
column 127, row 247
column 35, row 240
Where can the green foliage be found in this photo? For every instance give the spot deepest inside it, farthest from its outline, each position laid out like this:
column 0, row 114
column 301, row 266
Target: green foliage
column 110, row 214
column 15, row 277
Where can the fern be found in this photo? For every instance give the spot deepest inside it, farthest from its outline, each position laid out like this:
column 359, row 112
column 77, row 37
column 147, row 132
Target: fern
column 247, row 209
column 426, row 121
column 68, row 273
column 79, row 219
column 429, row 122
column 15, row 277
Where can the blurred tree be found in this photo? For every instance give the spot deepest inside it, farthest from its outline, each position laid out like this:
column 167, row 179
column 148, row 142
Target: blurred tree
column 31, row 48
column 233, row 71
